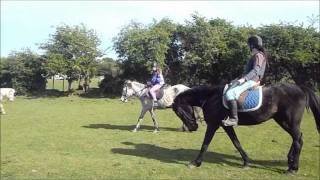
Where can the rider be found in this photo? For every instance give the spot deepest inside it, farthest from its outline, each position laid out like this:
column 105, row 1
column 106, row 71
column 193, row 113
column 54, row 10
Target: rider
column 254, row 72
column 157, row 81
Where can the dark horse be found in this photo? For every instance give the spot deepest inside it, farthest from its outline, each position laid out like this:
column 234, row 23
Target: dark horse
column 285, row 103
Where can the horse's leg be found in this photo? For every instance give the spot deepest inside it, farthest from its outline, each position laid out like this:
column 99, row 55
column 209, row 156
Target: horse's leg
column 232, row 135
column 197, row 112
column 155, row 123
column 143, row 112
column 211, row 129
column 184, row 127
column 297, row 142
column 2, row 109
column 294, row 153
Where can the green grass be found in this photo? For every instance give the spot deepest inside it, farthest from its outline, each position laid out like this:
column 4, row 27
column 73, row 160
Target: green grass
column 89, row 138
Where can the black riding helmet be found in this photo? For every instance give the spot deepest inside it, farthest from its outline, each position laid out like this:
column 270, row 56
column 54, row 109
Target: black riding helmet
column 255, row 41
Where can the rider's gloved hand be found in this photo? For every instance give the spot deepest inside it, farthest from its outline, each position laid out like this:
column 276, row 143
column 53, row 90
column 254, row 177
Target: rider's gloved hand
column 149, row 84
column 242, row 80
column 234, row 83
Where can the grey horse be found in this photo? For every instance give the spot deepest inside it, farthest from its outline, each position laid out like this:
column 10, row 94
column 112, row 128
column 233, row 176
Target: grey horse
column 134, row 88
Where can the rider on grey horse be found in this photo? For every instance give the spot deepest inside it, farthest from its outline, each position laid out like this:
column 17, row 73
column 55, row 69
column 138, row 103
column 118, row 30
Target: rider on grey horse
column 157, row 81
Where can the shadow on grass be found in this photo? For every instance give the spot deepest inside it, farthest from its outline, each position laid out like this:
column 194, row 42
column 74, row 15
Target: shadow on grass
column 176, row 156
column 127, row 127
column 93, row 93
column 48, row 93
column 96, row 93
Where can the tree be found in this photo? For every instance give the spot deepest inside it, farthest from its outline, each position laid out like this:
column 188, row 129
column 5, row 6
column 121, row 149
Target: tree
column 213, row 51
column 78, row 47
column 139, row 47
column 55, row 64
column 294, row 53
column 108, row 66
column 23, row 71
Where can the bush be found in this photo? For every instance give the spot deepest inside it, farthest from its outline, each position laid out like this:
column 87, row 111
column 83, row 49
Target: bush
column 111, row 85
column 24, row 72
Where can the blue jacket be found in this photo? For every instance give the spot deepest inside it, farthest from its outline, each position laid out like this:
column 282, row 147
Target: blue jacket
column 157, row 79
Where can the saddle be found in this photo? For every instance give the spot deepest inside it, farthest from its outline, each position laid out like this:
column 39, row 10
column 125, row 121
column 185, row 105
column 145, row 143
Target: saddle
column 159, row 92
column 250, row 100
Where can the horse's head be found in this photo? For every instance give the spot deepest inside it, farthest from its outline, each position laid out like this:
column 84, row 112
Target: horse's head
column 131, row 88
column 127, row 91
column 186, row 114
column 11, row 95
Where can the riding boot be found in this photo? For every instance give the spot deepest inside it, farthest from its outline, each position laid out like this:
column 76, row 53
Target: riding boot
column 233, row 114
column 155, row 103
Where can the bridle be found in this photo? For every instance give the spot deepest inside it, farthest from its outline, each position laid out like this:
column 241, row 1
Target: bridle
column 124, row 95
column 136, row 93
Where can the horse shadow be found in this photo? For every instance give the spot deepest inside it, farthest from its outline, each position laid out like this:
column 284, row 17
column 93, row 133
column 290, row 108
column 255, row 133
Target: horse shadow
column 48, row 93
column 95, row 93
column 128, row 127
column 179, row 156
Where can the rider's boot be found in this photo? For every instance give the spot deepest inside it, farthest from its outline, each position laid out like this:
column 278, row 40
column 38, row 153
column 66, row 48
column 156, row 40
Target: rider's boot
column 155, row 103
column 232, row 120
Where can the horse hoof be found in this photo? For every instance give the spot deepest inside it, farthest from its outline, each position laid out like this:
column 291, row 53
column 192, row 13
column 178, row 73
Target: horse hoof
column 291, row 172
column 245, row 167
column 155, row 131
column 134, row 130
column 191, row 166
column 194, row 164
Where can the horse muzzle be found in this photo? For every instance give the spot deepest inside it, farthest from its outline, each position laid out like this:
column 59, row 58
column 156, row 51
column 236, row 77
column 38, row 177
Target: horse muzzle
column 123, row 99
column 192, row 127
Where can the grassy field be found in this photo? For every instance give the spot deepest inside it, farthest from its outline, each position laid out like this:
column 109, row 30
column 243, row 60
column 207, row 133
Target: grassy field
column 89, row 138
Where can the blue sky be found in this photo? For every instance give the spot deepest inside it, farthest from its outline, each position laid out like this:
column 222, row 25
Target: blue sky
column 28, row 23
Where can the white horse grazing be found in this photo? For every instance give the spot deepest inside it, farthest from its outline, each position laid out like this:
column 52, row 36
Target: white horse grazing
column 6, row 92
column 133, row 88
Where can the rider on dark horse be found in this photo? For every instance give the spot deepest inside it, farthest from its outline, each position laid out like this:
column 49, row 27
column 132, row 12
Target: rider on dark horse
column 157, row 81
column 254, row 72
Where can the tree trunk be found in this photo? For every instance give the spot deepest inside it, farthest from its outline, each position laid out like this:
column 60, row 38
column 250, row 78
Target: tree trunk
column 86, row 84
column 69, row 84
column 79, row 83
column 52, row 82
column 63, row 85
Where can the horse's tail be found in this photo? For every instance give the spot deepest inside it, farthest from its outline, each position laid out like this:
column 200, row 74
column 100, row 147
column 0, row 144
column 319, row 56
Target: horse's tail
column 313, row 102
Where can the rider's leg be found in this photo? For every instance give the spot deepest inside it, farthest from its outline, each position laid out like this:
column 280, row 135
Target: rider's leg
column 232, row 95
column 153, row 91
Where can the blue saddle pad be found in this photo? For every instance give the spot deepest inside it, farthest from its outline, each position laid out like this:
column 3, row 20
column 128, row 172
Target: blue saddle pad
column 252, row 100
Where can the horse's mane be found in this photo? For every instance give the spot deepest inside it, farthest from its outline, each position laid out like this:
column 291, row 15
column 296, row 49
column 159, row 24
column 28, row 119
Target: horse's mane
column 202, row 92
column 141, row 85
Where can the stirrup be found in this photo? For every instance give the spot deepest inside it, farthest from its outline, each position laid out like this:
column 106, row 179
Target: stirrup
column 229, row 122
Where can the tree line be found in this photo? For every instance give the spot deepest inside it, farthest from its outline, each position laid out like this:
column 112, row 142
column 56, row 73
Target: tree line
column 200, row 51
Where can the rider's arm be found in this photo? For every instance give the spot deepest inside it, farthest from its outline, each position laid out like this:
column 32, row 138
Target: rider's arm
column 160, row 79
column 258, row 68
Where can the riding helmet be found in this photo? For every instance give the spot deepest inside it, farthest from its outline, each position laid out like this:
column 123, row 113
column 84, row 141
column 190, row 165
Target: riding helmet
column 255, row 41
